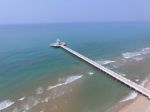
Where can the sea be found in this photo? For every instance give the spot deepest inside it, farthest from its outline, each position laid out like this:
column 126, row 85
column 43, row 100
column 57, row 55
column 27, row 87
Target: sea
column 35, row 77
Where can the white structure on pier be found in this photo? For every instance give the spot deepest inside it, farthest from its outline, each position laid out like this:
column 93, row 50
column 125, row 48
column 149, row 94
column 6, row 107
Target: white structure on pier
column 58, row 43
column 113, row 74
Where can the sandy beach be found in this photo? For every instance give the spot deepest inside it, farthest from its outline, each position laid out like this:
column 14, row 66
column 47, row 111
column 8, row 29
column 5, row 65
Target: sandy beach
column 140, row 104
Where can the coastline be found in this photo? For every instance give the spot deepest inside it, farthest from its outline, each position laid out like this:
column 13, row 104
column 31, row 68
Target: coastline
column 139, row 104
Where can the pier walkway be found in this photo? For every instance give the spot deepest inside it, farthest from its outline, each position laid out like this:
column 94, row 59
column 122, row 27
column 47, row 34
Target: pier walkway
column 113, row 74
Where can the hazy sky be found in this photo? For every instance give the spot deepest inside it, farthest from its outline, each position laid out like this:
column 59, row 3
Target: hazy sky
column 43, row 11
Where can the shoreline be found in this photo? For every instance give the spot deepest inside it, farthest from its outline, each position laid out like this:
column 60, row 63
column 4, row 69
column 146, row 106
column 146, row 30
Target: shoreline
column 139, row 104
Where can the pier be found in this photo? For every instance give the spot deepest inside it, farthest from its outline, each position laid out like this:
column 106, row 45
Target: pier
column 138, row 88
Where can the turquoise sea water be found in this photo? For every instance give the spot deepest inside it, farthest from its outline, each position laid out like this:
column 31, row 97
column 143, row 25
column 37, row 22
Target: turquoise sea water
column 28, row 65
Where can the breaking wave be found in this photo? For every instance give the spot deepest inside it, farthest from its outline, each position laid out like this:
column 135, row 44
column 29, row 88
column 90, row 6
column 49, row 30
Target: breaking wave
column 21, row 99
column 5, row 104
column 68, row 80
column 129, row 55
column 111, row 64
column 131, row 96
column 138, row 55
column 105, row 62
column 91, row 73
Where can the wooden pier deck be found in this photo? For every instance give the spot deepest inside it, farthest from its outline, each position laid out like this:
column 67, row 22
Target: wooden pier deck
column 140, row 89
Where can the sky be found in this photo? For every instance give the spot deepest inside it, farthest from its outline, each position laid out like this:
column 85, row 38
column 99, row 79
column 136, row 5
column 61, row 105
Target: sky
column 53, row 11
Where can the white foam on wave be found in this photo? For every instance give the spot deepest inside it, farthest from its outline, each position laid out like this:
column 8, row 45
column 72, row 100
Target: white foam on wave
column 91, row 73
column 5, row 104
column 52, row 87
column 26, row 107
column 137, row 80
column 46, row 99
column 138, row 58
column 138, row 55
column 131, row 96
column 105, row 62
column 124, row 75
column 72, row 79
column 29, row 104
column 21, row 99
column 129, row 55
column 39, row 90
column 110, row 63
column 146, row 50
column 68, row 81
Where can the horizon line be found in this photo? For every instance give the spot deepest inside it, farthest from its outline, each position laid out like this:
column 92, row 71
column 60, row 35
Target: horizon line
column 1, row 24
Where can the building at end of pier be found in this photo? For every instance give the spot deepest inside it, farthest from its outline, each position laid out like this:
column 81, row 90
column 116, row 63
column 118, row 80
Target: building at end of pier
column 58, row 43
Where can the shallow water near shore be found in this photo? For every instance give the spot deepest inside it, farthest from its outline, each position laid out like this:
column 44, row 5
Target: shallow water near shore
column 35, row 77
